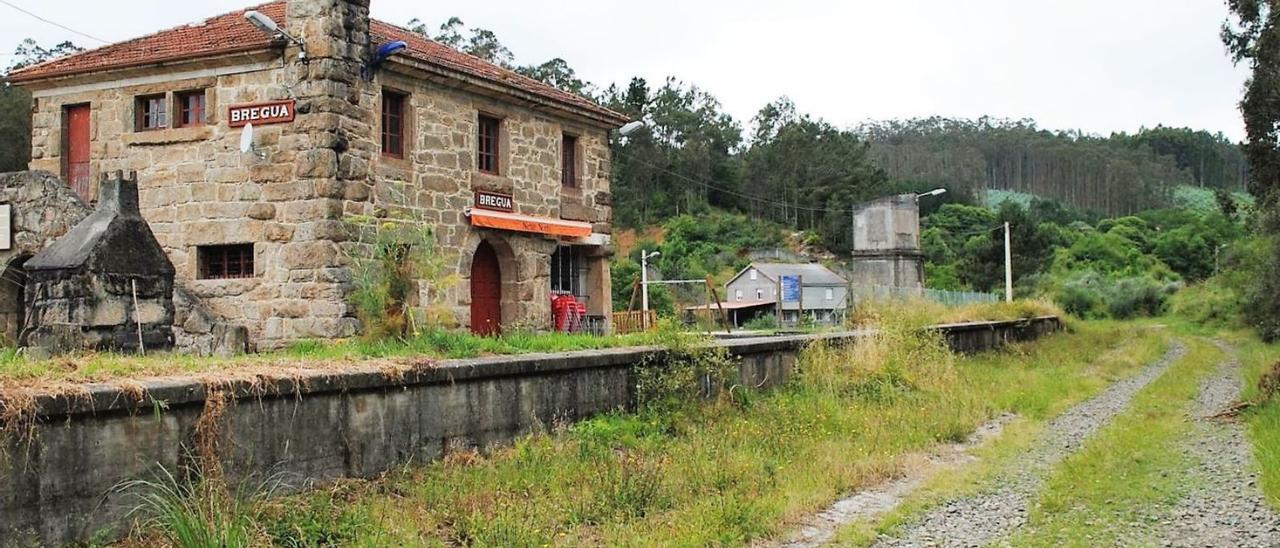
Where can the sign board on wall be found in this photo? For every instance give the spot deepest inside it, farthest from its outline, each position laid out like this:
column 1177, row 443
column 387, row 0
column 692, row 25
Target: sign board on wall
column 6, row 227
column 495, row 201
column 274, row 112
column 790, row 289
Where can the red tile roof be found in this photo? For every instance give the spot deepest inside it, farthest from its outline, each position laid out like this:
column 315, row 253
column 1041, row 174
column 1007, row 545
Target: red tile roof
column 423, row 49
column 230, row 33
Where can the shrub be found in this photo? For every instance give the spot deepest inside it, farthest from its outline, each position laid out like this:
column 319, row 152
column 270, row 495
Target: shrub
column 1209, row 303
column 388, row 257
column 1139, row 296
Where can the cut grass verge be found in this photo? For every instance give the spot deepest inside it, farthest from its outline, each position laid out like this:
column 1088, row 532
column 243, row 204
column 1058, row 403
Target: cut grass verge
column 723, row 472
column 1130, row 472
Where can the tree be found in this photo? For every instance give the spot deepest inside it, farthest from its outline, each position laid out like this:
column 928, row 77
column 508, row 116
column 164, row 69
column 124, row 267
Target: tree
column 558, row 73
column 15, row 104
column 1254, row 38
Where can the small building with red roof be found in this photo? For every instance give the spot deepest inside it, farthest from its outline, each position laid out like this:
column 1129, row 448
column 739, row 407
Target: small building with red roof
column 268, row 161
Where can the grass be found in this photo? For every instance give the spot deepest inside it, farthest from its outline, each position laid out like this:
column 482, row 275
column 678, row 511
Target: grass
column 1051, row 377
column 1263, row 419
column 63, row 372
column 1130, row 470
column 727, row 471
column 17, row 371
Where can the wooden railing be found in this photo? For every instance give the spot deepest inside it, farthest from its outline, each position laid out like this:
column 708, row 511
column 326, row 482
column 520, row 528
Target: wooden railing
column 633, row 321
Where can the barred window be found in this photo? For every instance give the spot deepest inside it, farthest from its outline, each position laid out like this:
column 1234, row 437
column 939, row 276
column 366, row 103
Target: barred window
column 225, row 261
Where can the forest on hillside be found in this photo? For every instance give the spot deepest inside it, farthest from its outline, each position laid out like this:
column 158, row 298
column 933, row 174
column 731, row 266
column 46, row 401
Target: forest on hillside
column 804, row 173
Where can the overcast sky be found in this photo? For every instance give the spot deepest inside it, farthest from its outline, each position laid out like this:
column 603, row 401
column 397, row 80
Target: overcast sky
column 1096, row 65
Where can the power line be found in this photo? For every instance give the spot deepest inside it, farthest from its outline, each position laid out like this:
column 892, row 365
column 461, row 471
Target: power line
column 54, row 23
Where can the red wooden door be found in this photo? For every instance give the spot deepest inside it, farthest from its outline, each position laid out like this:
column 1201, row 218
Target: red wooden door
column 77, row 174
column 486, row 292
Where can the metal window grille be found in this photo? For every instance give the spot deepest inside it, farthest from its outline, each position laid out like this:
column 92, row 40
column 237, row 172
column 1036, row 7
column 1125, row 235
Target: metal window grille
column 225, row 261
column 567, row 270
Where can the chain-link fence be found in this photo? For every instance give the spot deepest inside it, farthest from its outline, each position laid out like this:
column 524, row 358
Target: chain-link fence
column 870, row 293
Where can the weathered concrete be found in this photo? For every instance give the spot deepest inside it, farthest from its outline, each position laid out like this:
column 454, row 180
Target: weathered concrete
column 886, row 243
column 104, row 285
column 324, row 425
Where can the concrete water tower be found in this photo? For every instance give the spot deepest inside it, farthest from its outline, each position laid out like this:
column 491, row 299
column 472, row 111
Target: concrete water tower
column 886, row 243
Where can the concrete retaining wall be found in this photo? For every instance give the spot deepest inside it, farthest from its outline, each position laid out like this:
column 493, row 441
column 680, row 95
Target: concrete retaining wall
column 321, row 426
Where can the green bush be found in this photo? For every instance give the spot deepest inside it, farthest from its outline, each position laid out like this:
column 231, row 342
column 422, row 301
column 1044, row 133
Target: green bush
column 1138, row 296
column 1081, row 299
column 1210, row 303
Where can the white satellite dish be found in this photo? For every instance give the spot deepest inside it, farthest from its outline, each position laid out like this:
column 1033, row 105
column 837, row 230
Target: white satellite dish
column 246, row 138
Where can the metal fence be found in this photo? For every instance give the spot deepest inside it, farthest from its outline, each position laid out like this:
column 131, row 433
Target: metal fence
column 870, row 293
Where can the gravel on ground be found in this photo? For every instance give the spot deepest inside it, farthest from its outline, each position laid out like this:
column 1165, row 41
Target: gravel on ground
column 994, row 513
column 1225, row 506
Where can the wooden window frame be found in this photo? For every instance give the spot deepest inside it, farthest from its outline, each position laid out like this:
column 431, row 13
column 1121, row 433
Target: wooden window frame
column 488, row 144
column 569, row 161
column 225, row 261
column 182, row 108
column 400, row 99
column 142, row 116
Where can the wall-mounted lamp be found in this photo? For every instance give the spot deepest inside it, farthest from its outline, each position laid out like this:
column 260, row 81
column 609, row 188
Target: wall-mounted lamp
column 269, row 26
column 933, row 192
column 630, row 127
column 381, row 54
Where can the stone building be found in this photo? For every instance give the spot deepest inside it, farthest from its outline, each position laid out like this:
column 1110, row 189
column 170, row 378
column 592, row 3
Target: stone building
column 886, row 243
column 513, row 174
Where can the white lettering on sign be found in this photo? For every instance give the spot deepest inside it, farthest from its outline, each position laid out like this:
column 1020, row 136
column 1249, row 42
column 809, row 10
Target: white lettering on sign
column 494, row 201
column 262, row 113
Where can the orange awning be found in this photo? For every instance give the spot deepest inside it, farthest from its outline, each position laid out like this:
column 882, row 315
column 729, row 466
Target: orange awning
column 528, row 223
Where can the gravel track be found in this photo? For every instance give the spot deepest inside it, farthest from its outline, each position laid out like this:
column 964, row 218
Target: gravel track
column 1226, row 507
column 986, row 517
column 820, row 528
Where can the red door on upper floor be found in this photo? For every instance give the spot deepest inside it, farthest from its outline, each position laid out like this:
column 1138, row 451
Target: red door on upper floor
column 486, row 291
column 77, row 151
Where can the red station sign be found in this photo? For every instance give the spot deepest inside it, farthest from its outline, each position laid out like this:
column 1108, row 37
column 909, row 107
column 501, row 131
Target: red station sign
column 274, row 112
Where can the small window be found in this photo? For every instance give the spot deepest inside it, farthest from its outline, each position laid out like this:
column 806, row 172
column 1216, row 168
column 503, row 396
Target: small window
column 753, row 274
column 487, row 150
column 831, row 294
column 190, row 109
column 569, row 161
column 150, row 113
column 759, row 294
column 737, row 294
column 225, row 261
column 568, row 271
column 393, row 124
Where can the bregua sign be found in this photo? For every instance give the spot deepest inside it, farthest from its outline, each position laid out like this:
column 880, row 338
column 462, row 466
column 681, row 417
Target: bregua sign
column 494, row 201
column 275, row 112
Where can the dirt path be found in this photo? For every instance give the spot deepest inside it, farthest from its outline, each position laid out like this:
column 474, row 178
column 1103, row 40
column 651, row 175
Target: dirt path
column 819, row 529
column 988, row 516
column 1226, row 507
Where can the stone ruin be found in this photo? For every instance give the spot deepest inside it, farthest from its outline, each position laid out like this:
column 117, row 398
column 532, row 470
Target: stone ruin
column 92, row 287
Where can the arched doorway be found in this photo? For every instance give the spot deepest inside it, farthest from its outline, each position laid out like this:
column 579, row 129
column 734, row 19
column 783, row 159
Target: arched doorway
column 486, row 291
column 13, row 301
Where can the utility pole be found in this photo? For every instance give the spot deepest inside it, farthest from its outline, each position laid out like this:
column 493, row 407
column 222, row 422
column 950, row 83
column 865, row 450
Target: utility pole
column 644, row 288
column 1008, row 267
